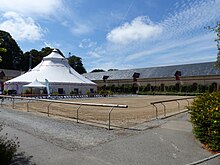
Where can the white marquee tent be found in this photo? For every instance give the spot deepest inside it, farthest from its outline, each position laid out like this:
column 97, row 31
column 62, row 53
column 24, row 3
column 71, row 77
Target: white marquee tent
column 62, row 78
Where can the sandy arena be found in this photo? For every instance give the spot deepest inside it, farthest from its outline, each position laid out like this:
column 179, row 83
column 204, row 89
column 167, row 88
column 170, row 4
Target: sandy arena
column 139, row 109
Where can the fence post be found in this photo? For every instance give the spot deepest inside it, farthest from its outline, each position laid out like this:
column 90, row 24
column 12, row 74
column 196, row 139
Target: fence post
column 187, row 101
column 13, row 102
column 48, row 109
column 178, row 105
column 156, row 111
column 28, row 105
column 164, row 108
column 109, row 118
column 77, row 113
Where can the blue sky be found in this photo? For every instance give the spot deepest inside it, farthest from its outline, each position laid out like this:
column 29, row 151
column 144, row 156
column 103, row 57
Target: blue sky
column 116, row 33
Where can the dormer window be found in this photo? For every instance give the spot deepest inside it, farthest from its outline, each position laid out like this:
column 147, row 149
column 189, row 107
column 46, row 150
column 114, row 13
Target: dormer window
column 177, row 75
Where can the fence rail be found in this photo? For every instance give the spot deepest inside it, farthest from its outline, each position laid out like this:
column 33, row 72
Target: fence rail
column 80, row 104
column 170, row 100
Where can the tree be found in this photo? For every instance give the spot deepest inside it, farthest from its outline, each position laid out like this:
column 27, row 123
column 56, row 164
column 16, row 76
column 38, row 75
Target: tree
column 36, row 57
column 216, row 29
column 97, row 70
column 76, row 63
column 10, row 52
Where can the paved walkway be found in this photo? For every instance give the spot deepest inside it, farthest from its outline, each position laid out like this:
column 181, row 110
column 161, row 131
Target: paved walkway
column 54, row 141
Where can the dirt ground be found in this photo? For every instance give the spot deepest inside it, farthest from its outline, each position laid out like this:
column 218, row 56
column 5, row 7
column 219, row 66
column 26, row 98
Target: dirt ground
column 139, row 109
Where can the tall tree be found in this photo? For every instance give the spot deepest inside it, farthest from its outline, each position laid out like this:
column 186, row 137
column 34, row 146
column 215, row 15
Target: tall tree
column 35, row 56
column 76, row 63
column 11, row 54
column 216, row 29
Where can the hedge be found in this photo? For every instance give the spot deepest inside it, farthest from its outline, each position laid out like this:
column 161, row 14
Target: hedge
column 205, row 116
column 176, row 89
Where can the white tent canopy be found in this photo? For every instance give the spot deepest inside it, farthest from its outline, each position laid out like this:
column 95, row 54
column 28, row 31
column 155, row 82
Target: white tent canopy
column 61, row 76
column 35, row 84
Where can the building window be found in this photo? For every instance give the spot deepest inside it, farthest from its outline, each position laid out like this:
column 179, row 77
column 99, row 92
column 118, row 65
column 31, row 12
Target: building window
column 162, row 87
column 60, row 91
column 76, row 91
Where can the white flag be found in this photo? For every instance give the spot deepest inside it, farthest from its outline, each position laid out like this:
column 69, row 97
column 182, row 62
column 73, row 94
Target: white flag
column 47, row 86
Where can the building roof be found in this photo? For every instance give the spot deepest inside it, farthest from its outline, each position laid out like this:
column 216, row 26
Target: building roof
column 11, row 73
column 187, row 70
column 55, row 69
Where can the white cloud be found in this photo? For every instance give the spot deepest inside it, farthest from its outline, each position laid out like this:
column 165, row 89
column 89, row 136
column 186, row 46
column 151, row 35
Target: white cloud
column 79, row 29
column 20, row 27
column 52, row 44
column 87, row 43
column 33, row 8
column 141, row 28
column 98, row 52
column 191, row 16
column 182, row 38
column 94, row 54
column 175, row 44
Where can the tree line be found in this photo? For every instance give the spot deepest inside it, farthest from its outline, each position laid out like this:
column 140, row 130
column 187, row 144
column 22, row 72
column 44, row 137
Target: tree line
column 12, row 57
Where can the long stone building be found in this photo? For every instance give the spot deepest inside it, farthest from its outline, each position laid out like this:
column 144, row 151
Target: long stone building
column 177, row 75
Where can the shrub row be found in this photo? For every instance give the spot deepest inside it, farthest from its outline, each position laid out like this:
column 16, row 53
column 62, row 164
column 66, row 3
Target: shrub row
column 148, row 89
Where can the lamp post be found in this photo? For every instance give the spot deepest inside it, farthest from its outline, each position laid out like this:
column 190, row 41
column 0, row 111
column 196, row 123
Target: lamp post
column 30, row 62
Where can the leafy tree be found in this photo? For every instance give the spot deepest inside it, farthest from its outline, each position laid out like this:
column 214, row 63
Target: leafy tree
column 10, row 52
column 36, row 57
column 76, row 63
column 216, row 29
column 97, row 70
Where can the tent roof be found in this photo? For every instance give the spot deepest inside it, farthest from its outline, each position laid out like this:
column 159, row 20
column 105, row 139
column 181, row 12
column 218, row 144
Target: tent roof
column 55, row 69
column 35, row 84
column 54, row 54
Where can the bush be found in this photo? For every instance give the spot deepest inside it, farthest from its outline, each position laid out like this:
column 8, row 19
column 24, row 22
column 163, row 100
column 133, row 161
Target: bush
column 5, row 92
column 27, row 91
column 8, row 148
column 205, row 116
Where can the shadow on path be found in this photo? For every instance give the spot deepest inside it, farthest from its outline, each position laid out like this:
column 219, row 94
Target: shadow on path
column 21, row 158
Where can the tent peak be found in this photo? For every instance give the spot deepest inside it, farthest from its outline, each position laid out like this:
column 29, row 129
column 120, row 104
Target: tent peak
column 55, row 54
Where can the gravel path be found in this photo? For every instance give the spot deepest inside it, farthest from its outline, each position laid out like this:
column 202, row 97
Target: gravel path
column 66, row 134
column 50, row 141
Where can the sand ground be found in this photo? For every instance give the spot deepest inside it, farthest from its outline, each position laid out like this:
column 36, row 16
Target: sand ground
column 139, row 109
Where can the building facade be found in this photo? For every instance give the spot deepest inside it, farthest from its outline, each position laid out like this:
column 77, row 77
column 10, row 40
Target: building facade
column 206, row 74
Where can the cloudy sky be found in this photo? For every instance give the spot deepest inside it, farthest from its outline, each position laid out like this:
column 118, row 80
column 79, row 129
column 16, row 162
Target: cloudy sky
column 116, row 33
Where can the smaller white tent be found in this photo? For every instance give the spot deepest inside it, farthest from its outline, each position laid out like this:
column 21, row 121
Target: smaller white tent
column 35, row 84
column 35, row 87
column 62, row 78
